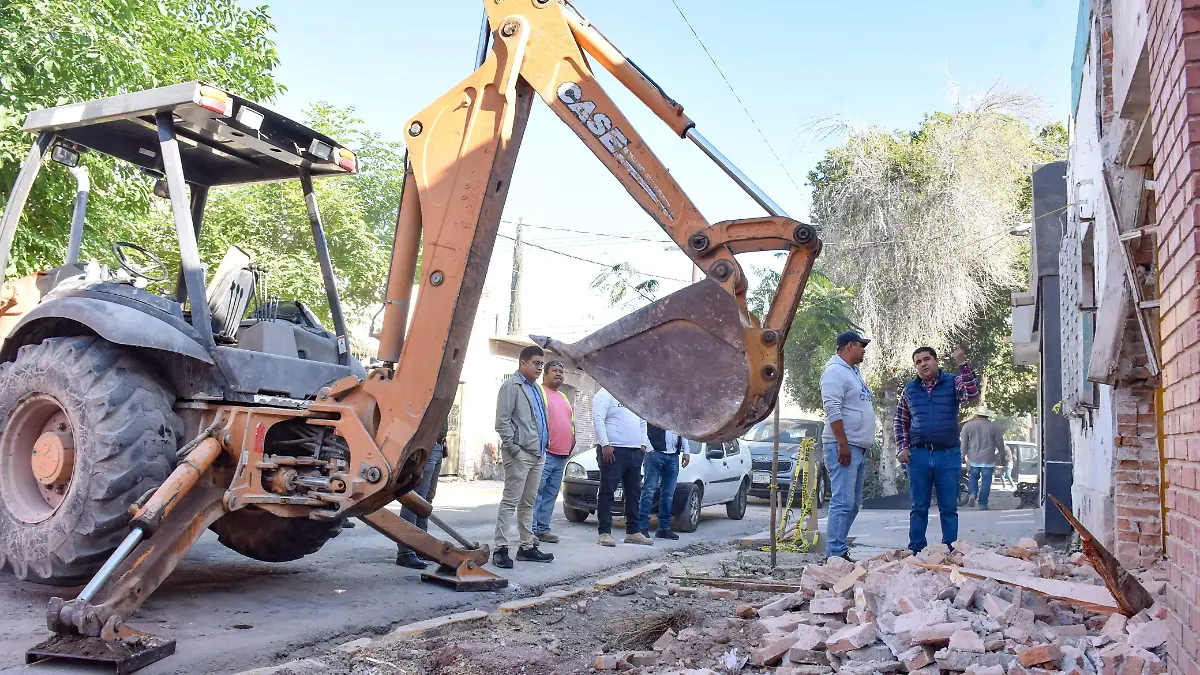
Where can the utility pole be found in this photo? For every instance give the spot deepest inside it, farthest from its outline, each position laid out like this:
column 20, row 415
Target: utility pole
column 514, row 302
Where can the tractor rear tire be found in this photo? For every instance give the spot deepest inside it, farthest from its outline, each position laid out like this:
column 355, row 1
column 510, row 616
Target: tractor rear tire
column 265, row 536
column 117, row 416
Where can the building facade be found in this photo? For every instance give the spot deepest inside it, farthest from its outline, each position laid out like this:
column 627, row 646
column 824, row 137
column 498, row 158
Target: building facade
column 1109, row 290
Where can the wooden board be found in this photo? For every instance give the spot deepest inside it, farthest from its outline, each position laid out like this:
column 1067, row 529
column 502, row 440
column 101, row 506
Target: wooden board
column 1085, row 596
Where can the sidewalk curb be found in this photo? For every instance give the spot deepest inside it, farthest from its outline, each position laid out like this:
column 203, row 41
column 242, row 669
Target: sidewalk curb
column 419, row 629
column 617, row 579
column 514, row 606
column 309, row 664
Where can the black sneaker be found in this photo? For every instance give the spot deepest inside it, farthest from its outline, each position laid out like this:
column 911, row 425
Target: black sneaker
column 347, row 524
column 666, row 534
column 410, row 560
column 532, row 554
column 500, row 558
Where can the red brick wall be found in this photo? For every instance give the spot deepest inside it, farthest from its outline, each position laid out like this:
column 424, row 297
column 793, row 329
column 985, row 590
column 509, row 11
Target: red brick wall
column 1174, row 47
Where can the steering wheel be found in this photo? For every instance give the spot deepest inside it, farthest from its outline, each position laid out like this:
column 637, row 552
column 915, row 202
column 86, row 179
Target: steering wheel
column 144, row 269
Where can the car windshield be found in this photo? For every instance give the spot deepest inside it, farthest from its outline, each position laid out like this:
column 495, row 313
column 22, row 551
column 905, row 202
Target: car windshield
column 790, row 431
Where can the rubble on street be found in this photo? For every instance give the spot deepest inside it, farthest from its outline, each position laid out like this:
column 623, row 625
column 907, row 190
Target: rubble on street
column 934, row 613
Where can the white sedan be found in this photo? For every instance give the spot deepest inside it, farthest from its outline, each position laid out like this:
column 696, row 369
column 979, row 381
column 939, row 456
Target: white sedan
column 708, row 475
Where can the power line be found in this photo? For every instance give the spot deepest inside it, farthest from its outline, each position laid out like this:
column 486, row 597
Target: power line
column 598, row 234
column 592, row 262
column 735, row 95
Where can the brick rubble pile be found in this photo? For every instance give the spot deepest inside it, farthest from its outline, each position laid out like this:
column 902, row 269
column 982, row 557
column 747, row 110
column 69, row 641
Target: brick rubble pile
column 889, row 615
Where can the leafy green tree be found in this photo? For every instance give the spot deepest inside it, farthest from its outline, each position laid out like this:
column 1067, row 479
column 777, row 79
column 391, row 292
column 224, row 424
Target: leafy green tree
column 625, row 286
column 825, row 310
column 64, row 51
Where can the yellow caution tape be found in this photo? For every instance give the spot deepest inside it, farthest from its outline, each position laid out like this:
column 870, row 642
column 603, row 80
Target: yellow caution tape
column 799, row 539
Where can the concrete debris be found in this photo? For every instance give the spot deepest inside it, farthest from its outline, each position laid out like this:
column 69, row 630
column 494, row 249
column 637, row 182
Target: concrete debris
column 1149, row 635
column 966, row 641
column 985, row 670
column 888, row 614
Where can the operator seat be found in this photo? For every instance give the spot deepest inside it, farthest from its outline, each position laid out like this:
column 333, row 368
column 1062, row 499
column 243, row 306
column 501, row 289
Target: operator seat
column 229, row 292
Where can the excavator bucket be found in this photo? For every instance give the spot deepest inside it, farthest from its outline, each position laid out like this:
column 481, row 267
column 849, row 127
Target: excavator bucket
column 679, row 363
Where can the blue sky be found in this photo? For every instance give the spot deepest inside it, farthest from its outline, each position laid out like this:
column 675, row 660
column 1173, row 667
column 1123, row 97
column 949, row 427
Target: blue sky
column 792, row 63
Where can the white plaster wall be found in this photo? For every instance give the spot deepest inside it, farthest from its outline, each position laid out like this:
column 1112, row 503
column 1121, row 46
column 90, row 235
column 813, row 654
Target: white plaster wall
column 1093, row 428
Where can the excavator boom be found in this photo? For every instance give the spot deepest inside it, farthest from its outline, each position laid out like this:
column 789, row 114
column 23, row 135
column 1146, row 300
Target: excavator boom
column 696, row 361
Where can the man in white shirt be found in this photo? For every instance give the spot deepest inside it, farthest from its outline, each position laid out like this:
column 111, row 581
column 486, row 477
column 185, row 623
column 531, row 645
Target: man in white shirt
column 621, row 436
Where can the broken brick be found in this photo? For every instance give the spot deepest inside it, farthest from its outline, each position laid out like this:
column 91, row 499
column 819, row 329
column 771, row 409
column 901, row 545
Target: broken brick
column 917, row 657
column 993, row 642
column 746, row 611
column 1148, row 635
column 829, row 605
column 1115, row 626
column 975, row 669
column 966, row 594
column 996, row 608
column 872, row 652
column 949, row 659
column 966, row 641
column 773, row 652
column 641, row 659
column 1038, row 654
column 809, row 637
column 937, row 634
column 1018, row 552
column 807, row 656
column 851, row 637
column 1028, row 543
column 665, row 641
column 608, row 662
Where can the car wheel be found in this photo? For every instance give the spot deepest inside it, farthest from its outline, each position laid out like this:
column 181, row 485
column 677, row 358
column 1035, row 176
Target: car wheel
column 736, row 509
column 575, row 515
column 687, row 509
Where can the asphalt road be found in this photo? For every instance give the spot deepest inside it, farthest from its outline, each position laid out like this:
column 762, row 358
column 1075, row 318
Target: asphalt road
column 351, row 588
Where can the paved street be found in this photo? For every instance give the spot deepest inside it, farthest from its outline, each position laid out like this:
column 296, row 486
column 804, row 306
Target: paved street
column 351, row 588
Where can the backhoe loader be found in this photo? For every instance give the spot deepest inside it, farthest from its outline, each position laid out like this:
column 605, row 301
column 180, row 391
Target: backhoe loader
column 132, row 420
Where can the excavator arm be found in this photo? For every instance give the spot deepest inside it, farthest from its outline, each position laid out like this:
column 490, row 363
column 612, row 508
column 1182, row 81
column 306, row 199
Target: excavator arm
column 696, row 361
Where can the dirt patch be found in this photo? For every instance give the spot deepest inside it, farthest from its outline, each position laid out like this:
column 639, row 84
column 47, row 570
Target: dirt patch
column 569, row 637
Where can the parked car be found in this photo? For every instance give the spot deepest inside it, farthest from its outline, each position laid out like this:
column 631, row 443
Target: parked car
column 760, row 441
column 1029, row 460
column 709, row 474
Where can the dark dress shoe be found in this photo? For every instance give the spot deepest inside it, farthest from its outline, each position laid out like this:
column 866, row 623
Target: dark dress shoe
column 410, row 560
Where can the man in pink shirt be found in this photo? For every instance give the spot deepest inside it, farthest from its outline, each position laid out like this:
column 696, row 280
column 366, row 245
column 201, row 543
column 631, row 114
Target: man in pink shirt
column 562, row 440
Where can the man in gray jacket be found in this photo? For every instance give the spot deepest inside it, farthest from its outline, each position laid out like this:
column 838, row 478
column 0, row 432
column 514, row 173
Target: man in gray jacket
column 982, row 442
column 849, row 431
column 524, row 432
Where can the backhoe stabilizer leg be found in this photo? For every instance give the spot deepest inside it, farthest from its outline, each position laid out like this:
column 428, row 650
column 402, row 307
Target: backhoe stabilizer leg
column 94, row 629
column 461, row 569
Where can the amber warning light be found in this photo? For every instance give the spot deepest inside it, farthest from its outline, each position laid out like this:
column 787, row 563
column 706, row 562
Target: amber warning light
column 216, row 100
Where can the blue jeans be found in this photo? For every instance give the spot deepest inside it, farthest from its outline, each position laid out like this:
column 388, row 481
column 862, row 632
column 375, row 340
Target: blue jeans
column 660, row 471
column 551, row 483
column 979, row 483
column 847, row 485
column 426, row 488
column 930, row 470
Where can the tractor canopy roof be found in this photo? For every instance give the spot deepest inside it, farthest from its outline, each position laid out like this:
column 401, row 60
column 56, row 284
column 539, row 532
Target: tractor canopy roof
column 223, row 139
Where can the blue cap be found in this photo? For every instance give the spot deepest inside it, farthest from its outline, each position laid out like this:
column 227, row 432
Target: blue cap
column 851, row 336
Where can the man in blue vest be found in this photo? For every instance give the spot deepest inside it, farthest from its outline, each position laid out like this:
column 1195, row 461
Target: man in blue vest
column 926, row 426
